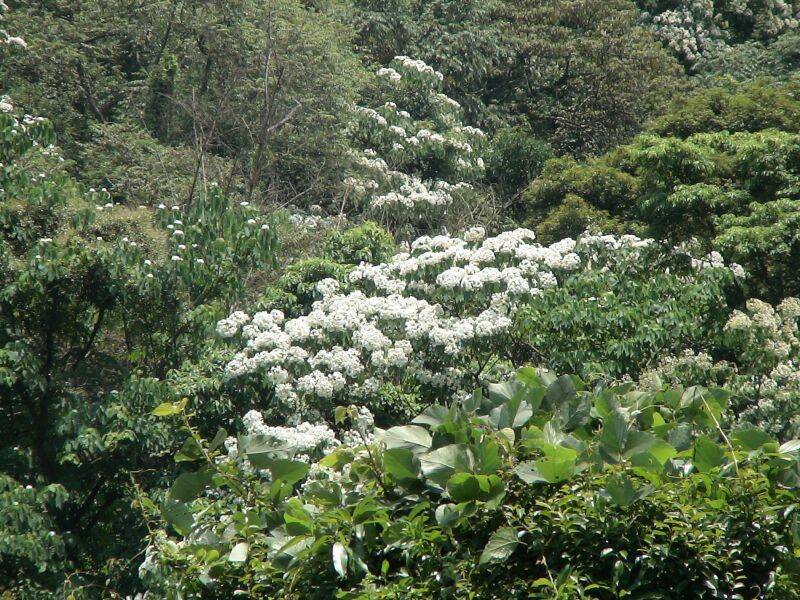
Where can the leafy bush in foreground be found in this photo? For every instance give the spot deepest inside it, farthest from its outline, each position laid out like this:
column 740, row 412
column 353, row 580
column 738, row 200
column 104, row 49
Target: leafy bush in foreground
column 538, row 488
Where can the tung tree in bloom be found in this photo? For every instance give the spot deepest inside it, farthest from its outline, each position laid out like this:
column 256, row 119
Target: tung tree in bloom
column 694, row 29
column 416, row 159
column 432, row 321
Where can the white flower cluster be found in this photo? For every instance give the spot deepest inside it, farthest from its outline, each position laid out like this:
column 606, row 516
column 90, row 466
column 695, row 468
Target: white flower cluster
column 765, row 376
column 421, row 320
column 387, row 173
column 697, row 28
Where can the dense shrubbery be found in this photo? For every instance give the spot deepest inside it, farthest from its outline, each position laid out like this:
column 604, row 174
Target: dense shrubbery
column 542, row 487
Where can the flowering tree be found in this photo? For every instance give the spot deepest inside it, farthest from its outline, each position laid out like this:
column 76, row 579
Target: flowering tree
column 431, row 321
column 701, row 28
column 416, row 161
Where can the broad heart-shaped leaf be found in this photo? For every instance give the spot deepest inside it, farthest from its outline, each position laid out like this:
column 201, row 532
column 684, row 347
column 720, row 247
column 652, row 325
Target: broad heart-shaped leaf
column 189, row 485
column 548, row 470
column 620, row 490
column 514, row 412
column 680, row 437
column 638, row 442
column 339, row 558
column 574, row 413
column 441, row 463
column 239, row 553
column 434, row 415
column 466, row 487
column 413, row 437
column 190, row 451
column 750, row 439
column 500, row 546
column 282, row 469
column 401, row 463
column 560, row 391
column 487, row 457
column 707, row 455
column 614, row 437
column 178, row 515
column 448, row 515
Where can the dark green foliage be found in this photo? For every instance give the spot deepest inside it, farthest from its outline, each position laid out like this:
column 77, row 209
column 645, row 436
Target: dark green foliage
column 516, row 158
column 98, row 307
column 573, row 217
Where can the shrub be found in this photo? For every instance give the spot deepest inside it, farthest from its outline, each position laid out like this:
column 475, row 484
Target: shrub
column 365, row 243
column 537, row 487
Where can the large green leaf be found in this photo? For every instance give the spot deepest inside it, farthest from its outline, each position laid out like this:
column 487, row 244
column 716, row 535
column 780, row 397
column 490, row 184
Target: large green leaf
column 282, row 469
column 441, row 463
column 178, row 515
column 466, row 487
column 500, row 546
column 751, row 439
column 560, row 391
column 622, row 491
column 412, row 437
column 401, row 463
column 189, row 485
column 434, row 415
column 707, row 455
column 614, row 436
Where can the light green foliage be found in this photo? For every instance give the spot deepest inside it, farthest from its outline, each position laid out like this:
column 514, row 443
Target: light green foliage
column 602, row 323
column 365, row 243
column 537, row 481
column 718, row 170
column 752, row 106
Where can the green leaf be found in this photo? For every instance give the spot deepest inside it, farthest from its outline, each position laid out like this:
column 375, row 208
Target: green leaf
column 190, row 451
column 189, row 485
column 178, row 515
column 218, row 440
column 750, row 439
column 401, row 463
column 339, row 558
column 621, row 491
column 448, row 515
column 167, row 409
column 466, row 487
column 560, row 391
column 434, row 415
column 282, row 469
column 500, row 546
column 707, row 455
column 412, row 437
column 239, row 553
column 556, row 469
column 614, row 437
column 439, row 465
